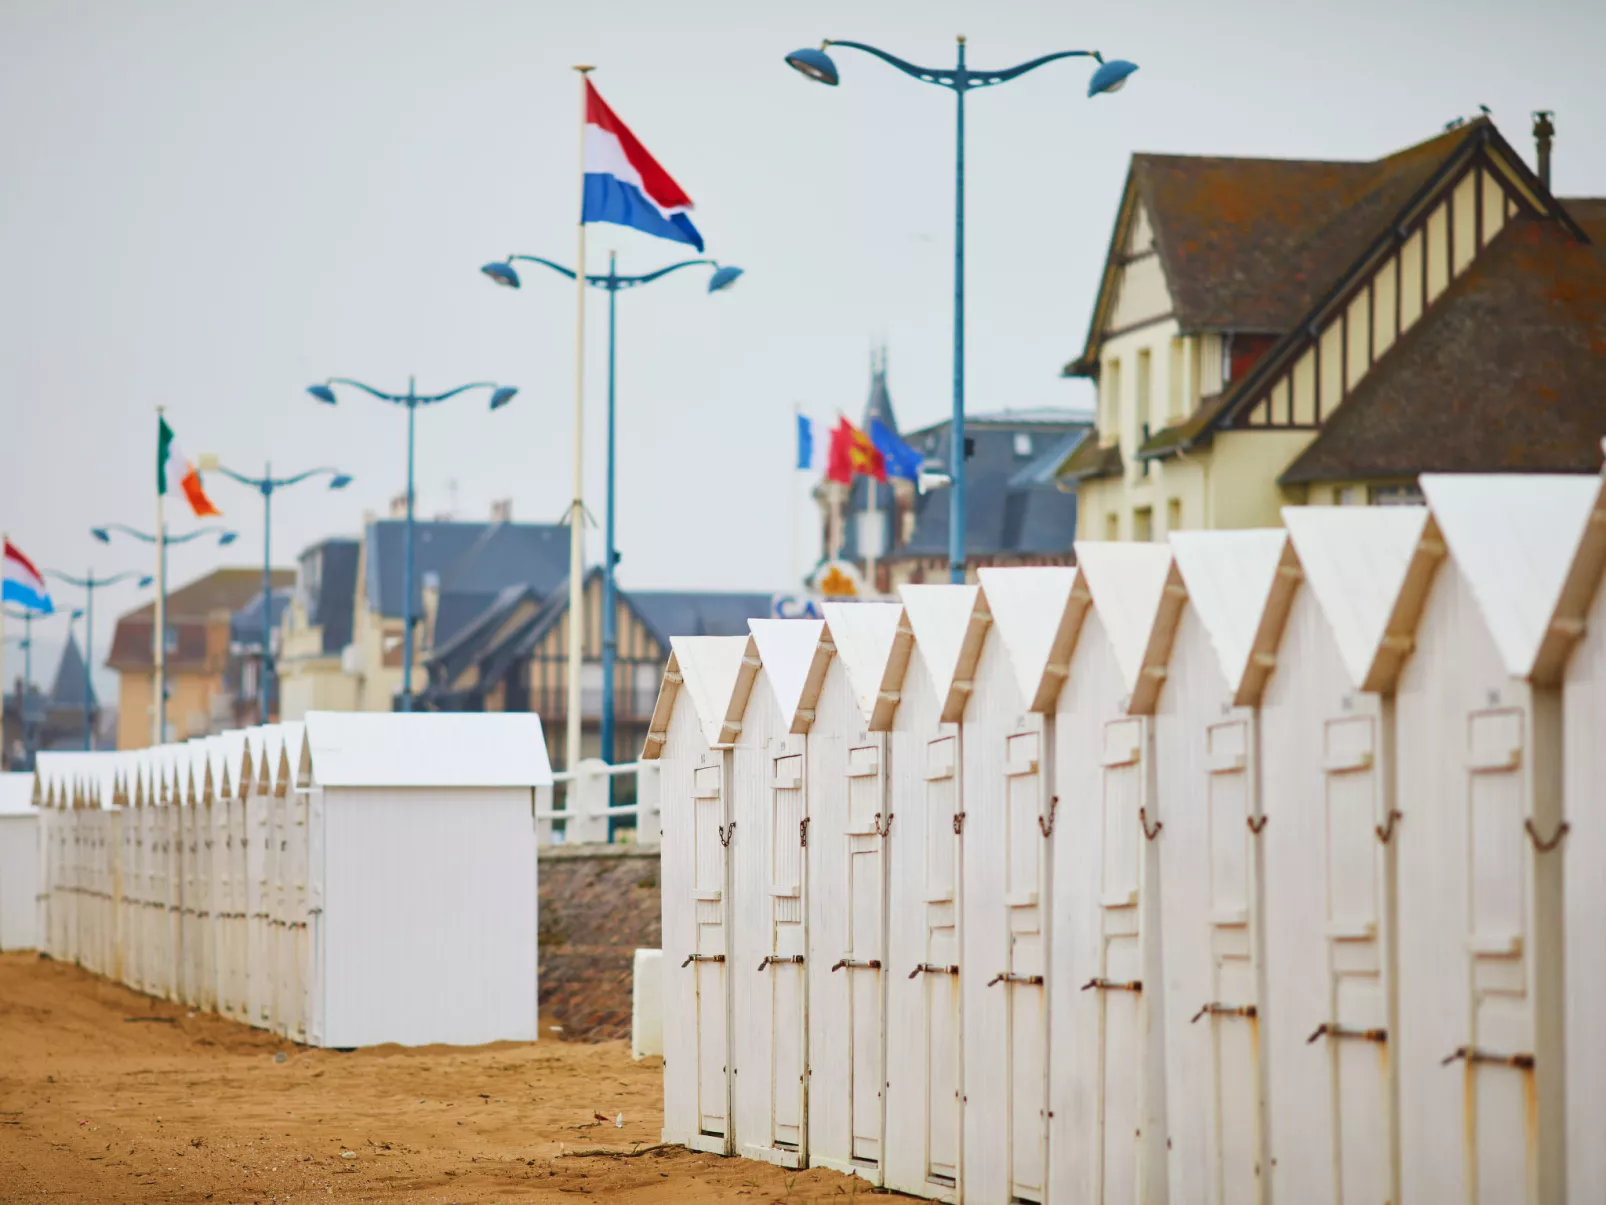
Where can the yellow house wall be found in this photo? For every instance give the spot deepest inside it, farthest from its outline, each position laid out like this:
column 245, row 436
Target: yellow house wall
column 1244, row 467
column 189, row 707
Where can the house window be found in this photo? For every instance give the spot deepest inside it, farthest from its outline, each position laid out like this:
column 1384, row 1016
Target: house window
column 1173, row 383
column 1350, row 495
column 1023, row 443
column 1110, row 402
column 1145, row 383
column 1173, row 515
column 1143, row 524
column 1112, row 526
column 1396, row 495
column 171, row 641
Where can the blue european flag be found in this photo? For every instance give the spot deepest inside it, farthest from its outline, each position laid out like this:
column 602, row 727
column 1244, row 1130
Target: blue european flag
column 805, row 442
column 901, row 460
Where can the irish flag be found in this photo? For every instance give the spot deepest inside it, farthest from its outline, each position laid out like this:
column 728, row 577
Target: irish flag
column 174, row 469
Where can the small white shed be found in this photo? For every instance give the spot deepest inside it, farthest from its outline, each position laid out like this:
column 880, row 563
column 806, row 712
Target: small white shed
column 1207, row 783
column 1482, row 1065
column 257, row 784
column 849, row 817
column 423, row 880
column 689, row 735
column 1584, row 696
column 769, row 807
column 19, row 863
column 1107, row 1084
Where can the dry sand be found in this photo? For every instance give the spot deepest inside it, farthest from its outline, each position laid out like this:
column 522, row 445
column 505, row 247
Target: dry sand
column 106, row 1095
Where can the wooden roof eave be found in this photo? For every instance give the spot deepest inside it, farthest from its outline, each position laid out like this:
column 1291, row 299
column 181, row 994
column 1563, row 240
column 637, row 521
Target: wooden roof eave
column 664, row 706
column 1584, row 577
column 1269, row 632
column 808, row 702
column 1086, row 364
column 1157, row 654
column 1399, row 633
column 886, row 707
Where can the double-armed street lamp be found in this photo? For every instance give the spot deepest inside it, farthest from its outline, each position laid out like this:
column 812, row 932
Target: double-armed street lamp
column 501, row 395
column 817, row 65
column 163, row 540
column 266, row 485
column 503, row 273
column 89, row 583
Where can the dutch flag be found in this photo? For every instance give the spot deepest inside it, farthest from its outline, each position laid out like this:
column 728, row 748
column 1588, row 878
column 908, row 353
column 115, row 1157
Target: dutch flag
column 23, row 584
column 625, row 185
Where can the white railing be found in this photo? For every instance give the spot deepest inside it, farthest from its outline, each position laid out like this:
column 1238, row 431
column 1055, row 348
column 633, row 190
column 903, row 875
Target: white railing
column 585, row 811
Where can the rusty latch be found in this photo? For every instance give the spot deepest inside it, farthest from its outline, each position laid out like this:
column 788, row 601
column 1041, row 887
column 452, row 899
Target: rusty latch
column 1224, row 1010
column 1325, row 1029
column 778, row 959
column 691, row 958
column 931, row 968
column 858, row 964
column 1473, row 1055
column 959, row 823
column 1008, row 977
column 1114, row 985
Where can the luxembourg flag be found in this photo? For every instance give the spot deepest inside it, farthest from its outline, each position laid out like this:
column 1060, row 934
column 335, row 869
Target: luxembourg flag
column 625, row 185
column 23, row 584
column 177, row 472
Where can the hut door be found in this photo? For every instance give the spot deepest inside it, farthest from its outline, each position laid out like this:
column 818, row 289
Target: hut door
column 785, row 962
column 1499, row 1056
column 867, row 827
column 1027, row 822
column 708, row 959
column 940, row 970
column 1233, row 1007
column 1119, row 983
column 1356, row 1028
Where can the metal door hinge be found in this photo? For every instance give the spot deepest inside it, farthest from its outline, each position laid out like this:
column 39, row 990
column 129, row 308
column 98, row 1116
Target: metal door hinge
column 1010, row 977
column 857, row 964
column 1114, row 985
column 777, row 959
column 691, row 958
column 1225, row 1010
column 1473, row 1055
column 1326, row 1029
column 932, row 968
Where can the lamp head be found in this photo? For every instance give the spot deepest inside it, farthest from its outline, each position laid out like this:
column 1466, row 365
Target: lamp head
column 227, row 538
column 503, row 274
column 146, row 580
column 323, row 393
column 101, row 534
column 723, row 278
column 1110, row 77
column 339, row 481
column 78, row 613
column 502, row 397
column 815, row 64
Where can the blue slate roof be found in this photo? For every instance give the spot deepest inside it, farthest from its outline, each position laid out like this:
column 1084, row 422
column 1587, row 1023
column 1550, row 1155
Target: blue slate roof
column 469, row 558
column 245, row 625
column 692, row 613
column 69, row 687
column 333, row 605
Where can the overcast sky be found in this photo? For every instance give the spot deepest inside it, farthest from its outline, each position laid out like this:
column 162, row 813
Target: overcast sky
column 209, row 205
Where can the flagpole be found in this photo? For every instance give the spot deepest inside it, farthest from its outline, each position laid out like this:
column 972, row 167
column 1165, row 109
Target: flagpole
column 793, row 562
column 159, row 635
column 577, row 511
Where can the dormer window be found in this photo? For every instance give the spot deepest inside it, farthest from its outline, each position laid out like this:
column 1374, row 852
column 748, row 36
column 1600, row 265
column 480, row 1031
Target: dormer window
column 1023, row 443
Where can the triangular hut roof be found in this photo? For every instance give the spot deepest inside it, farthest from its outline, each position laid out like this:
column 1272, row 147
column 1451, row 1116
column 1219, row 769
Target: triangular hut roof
column 718, row 674
column 795, row 654
column 1139, row 595
column 1241, row 584
column 1038, row 611
column 1370, row 568
column 1517, row 538
column 873, row 644
column 949, row 625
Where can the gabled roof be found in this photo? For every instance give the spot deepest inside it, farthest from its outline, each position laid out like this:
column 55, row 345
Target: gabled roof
column 669, row 613
column 1517, row 539
column 71, row 685
column 1038, row 614
column 718, row 674
column 1138, row 594
column 795, row 655
column 245, row 625
column 949, row 624
column 873, row 644
column 1506, row 372
column 1369, row 568
column 189, row 608
column 470, row 558
column 1241, row 584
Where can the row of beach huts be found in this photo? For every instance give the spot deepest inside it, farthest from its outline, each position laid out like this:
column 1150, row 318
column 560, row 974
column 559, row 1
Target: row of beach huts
column 1256, row 866
column 345, row 881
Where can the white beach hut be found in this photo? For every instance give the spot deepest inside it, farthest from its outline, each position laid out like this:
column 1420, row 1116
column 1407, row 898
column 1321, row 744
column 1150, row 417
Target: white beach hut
column 689, row 736
column 1207, row 784
column 264, row 744
column 229, row 854
column 1482, row 1066
column 288, row 909
column 1327, row 760
column 1585, row 854
column 769, row 889
column 19, row 863
column 849, row 817
column 1107, row 1104
column 423, row 882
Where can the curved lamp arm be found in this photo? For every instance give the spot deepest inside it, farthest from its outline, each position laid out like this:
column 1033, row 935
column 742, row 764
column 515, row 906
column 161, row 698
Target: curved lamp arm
column 279, row 482
column 980, row 79
column 441, row 397
column 95, row 583
column 963, row 79
column 632, row 281
column 256, row 483
column 380, row 394
column 558, row 268
column 265, row 484
column 930, row 75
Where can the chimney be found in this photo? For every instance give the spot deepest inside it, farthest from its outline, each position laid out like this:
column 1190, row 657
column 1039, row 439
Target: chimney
column 398, row 506
column 502, row 510
column 1544, row 135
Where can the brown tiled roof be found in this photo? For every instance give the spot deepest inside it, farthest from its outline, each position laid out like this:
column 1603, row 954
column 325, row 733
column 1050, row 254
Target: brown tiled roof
column 220, row 590
column 189, row 608
column 1090, row 461
column 1590, row 213
column 1184, row 433
column 1505, row 372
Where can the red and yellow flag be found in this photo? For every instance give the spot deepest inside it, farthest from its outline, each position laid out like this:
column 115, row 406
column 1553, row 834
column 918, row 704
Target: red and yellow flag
column 853, row 453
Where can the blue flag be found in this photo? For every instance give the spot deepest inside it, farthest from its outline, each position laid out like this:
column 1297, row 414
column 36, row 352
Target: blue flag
column 901, row 460
column 805, row 442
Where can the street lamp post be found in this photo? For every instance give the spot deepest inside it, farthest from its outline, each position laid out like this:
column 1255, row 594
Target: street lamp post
column 503, row 273
column 25, row 643
column 818, row 66
column 266, row 485
column 501, row 395
column 162, row 540
column 89, row 583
